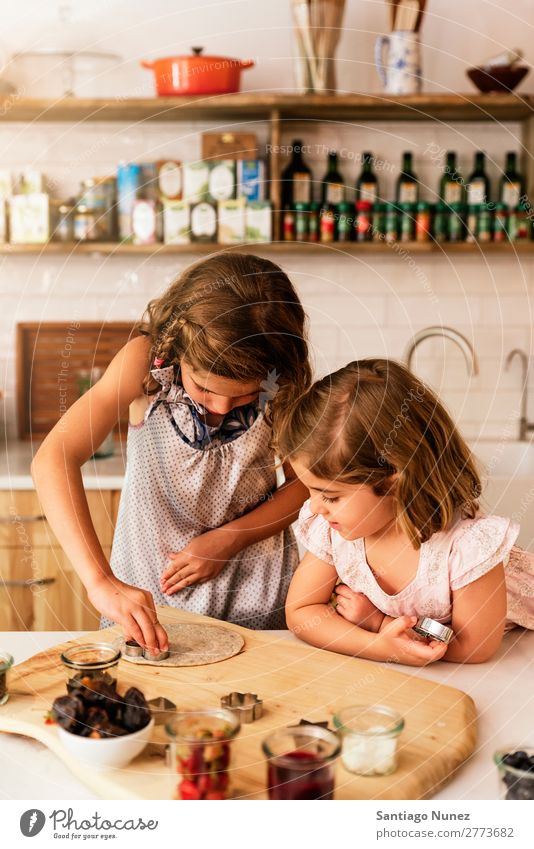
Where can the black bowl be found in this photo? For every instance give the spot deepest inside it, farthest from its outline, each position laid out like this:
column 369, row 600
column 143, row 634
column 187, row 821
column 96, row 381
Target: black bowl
column 501, row 78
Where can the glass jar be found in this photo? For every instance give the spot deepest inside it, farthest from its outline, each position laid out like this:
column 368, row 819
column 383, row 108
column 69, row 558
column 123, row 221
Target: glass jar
column 91, row 662
column 441, row 223
column 485, row 223
column 457, row 222
column 327, row 224
column 300, row 762
column 345, row 222
column 200, row 752
column 422, row 222
column 472, row 222
column 302, row 215
column 6, row 662
column 520, row 223
column 62, row 223
column 392, row 223
column 362, row 224
column 516, row 773
column 379, row 221
column 288, row 224
column 85, row 223
column 314, row 222
column 500, row 223
column 407, row 222
column 369, row 736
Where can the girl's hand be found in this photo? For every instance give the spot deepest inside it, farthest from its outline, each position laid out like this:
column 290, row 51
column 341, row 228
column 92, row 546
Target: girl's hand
column 399, row 646
column 356, row 608
column 131, row 607
column 203, row 559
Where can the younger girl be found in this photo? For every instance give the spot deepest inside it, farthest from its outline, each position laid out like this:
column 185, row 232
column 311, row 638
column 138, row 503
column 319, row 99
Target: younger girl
column 201, row 523
column 394, row 514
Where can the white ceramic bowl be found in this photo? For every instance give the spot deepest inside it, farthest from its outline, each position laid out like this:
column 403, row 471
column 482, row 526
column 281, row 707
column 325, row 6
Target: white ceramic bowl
column 106, row 753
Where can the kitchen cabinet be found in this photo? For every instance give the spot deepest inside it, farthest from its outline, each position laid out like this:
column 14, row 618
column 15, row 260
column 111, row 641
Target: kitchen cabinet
column 39, row 588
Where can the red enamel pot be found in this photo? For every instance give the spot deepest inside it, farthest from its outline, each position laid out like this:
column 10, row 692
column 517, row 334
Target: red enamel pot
column 197, row 74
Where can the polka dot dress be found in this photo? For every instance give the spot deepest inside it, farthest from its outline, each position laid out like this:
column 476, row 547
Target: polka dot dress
column 174, row 492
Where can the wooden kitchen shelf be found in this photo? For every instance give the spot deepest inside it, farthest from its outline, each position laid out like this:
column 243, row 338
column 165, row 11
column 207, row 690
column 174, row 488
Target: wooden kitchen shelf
column 351, row 248
column 262, row 105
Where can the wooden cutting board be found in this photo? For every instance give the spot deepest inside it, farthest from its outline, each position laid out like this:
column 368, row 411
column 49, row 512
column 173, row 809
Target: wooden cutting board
column 294, row 681
column 49, row 356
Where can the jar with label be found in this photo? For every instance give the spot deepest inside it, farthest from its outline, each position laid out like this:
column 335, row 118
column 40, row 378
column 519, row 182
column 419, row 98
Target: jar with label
column 314, row 222
column 392, row 222
column 407, row 222
column 289, row 225
column 500, row 223
column 520, row 223
column 99, row 194
column 457, row 223
column 301, row 222
column 203, row 222
column 345, row 222
column 63, row 226
column 363, row 221
column 85, row 224
column 379, row 222
column 328, row 224
column 422, row 222
column 441, row 223
column 485, row 223
column 472, row 222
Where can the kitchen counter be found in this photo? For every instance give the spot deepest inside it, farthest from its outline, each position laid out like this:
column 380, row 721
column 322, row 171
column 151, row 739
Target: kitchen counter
column 99, row 473
column 504, row 700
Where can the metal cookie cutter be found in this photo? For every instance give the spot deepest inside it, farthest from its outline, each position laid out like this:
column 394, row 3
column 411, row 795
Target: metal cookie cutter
column 162, row 709
column 428, row 627
column 133, row 649
column 247, row 706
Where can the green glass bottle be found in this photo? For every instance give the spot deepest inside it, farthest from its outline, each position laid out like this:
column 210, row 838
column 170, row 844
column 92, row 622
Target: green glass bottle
column 333, row 185
column 367, row 182
column 478, row 184
column 451, row 183
column 512, row 187
column 407, row 184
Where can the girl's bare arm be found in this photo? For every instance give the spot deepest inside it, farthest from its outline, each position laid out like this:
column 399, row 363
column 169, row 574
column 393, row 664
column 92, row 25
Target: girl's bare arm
column 56, row 471
column 478, row 618
column 311, row 618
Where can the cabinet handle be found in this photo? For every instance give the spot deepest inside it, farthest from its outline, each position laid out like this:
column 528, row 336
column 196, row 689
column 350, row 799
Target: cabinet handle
column 4, row 520
column 34, row 582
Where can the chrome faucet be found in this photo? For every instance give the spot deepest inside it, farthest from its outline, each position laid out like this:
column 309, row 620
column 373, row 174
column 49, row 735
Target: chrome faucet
column 448, row 333
column 524, row 425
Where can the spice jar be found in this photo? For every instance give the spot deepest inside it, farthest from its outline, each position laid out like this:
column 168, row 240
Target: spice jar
column 407, row 222
column 200, row 752
column 327, row 224
column 99, row 194
column 300, row 762
column 369, row 736
column 456, row 222
column 520, row 223
column 345, row 222
column 6, row 662
column 500, row 223
column 90, row 663
column 289, row 225
column 379, row 222
column 485, row 223
column 422, row 222
column 441, row 223
column 363, row 221
column 314, row 222
column 472, row 222
column 301, row 221
column 392, row 222
column 85, row 223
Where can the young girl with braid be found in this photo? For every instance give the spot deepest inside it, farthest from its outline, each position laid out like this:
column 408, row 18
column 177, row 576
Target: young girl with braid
column 202, row 525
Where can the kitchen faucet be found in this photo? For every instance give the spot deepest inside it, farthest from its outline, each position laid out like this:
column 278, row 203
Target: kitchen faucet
column 448, row 333
column 524, row 425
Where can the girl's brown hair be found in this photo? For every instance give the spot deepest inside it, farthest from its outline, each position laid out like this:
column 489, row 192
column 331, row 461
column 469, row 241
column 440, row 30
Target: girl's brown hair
column 372, row 419
column 235, row 316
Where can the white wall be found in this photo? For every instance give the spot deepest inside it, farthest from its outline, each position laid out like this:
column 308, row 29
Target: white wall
column 358, row 306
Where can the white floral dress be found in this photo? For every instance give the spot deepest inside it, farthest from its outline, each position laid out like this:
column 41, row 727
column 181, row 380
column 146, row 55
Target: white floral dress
column 448, row 561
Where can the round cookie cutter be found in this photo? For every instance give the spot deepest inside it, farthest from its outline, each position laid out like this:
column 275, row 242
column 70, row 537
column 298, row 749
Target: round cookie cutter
column 133, row 649
column 427, row 627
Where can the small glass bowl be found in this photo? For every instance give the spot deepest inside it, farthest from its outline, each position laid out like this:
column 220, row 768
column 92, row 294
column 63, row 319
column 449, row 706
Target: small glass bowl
column 6, row 662
column 200, row 752
column 515, row 784
column 300, row 762
column 370, row 736
column 90, row 662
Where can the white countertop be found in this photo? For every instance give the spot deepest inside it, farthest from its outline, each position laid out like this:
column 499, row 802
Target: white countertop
column 98, row 473
column 503, row 691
